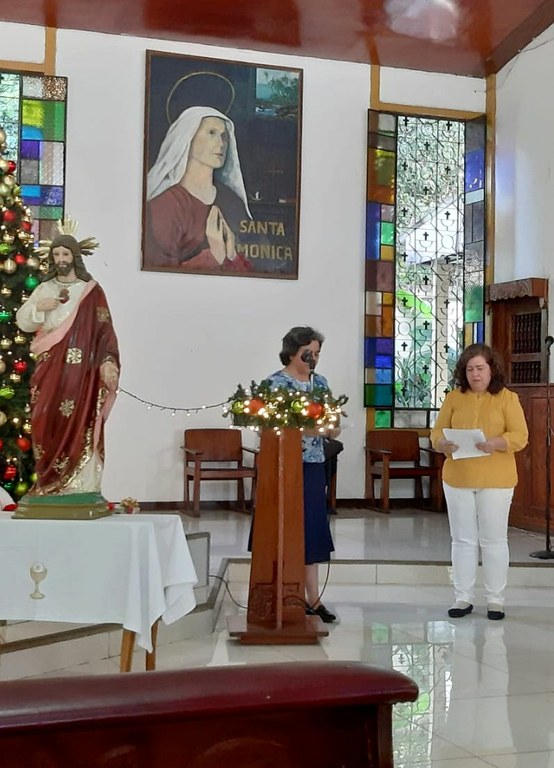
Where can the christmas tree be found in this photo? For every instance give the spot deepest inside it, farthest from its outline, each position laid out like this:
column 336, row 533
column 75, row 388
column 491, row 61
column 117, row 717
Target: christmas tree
column 19, row 275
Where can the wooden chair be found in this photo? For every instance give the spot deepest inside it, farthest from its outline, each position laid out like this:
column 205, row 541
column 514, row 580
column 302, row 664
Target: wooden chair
column 396, row 453
column 206, row 447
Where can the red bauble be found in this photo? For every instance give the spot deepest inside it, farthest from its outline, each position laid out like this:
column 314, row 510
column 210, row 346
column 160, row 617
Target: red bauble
column 20, row 366
column 26, row 226
column 255, row 405
column 23, row 443
column 20, row 259
column 9, row 216
column 1, row 444
column 11, row 166
column 10, row 473
column 315, row 410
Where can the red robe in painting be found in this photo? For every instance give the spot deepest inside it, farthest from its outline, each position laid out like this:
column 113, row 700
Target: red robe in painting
column 69, row 402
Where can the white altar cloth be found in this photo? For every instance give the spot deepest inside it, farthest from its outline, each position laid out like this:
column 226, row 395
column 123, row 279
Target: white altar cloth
column 124, row 569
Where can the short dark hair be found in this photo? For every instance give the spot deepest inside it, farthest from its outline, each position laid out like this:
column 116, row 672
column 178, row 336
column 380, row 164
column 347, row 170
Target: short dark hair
column 299, row 336
column 498, row 380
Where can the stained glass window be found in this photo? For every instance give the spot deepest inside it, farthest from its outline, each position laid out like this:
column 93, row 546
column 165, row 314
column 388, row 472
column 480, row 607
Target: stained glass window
column 33, row 115
column 424, row 261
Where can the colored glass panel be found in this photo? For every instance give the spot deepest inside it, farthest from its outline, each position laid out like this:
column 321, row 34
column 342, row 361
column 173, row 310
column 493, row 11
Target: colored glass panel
column 28, row 171
column 46, row 116
column 372, row 238
column 385, row 346
column 52, row 163
column 380, row 176
column 387, row 317
column 30, row 150
column 378, row 394
column 372, row 325
column 383, row 375
column 387, row 233
column 475, row 170
column 387, row 299
column 387, row 252
column 383, row 419
column 373, row 303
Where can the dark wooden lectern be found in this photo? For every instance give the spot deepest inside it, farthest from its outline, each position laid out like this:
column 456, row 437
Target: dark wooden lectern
column 276, row 602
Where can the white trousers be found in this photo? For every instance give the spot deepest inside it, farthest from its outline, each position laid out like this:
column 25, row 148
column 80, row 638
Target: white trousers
column 478, row 517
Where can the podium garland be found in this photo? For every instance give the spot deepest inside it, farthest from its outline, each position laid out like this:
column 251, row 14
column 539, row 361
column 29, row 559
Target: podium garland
column 264, row 406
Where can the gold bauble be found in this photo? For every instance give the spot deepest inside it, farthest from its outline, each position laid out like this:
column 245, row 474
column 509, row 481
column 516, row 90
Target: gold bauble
column 2, row 135
column 24, row 298
column 15, row 377
column 5, row 342
column 3, row 418
column 27, row 428
column 5, row 290
column 3, row 165
column 4, row 189
column 2, row 366
column 7, row 237
column 9, row 180
column 19, row 338
column 23, row 236
column 44, row 267
column 32, row 263
column 10, row 266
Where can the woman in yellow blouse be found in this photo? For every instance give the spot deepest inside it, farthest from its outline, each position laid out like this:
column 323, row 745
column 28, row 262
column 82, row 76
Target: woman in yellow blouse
column 479, row 490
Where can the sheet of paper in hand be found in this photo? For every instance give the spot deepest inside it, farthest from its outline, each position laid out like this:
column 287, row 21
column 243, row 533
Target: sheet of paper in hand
column 466, row 440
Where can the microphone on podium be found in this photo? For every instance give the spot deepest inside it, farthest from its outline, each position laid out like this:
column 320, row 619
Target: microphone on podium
column 307, row 357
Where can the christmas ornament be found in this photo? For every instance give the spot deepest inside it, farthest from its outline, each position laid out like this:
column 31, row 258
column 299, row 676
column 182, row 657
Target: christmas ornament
column 20, row 259
column 4, row 165
column 315, row 410
column 26, row 428
column 255, row 405
column 26, row 225
column 19, row 338
column 31, row 281
column 33, row 477
column 4, row 189
column 1, row 444
column 11, row 166
column 5, row 315
column 9, row 180
column 9, row 216
column 297, row 406
column 33, row 262
column 10, row 472
column 21, row 488
column 4, row 249
column 44, row 267
column 9, row 486
column 23, row 443
column 10, row 266
column 6, row 392
column 6, row 291
column 3, row 418
column 5, row 343
column 237, row 406
column 20, row 366
column 7, row 237
column 2, row 365
column 2, row 136
column 15, row 377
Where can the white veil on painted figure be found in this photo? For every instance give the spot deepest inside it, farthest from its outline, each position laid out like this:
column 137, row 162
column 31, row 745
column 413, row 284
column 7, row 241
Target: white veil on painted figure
column 171, row 162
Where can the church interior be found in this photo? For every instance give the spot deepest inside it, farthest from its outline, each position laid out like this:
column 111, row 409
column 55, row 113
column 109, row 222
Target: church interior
column 187, row 341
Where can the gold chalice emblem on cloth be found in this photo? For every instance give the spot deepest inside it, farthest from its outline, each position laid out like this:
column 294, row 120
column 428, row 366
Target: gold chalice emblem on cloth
column 38, row 573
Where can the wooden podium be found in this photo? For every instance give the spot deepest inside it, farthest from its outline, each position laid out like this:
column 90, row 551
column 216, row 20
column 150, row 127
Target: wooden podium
column 276, row 600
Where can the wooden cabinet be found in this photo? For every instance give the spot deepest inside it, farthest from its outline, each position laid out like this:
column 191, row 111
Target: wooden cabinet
column 519, row 314
column 529, row 504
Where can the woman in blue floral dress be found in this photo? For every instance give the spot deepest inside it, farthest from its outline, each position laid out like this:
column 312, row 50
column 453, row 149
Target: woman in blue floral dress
column 299, row 355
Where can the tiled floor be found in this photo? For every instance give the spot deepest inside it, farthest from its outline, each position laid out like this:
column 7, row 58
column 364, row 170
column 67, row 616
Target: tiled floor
column 486, row 688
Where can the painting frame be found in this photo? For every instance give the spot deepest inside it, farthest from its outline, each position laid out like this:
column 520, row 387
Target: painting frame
column 222, row 167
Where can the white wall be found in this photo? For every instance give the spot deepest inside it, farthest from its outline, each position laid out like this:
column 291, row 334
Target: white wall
column 525, row 159
column 187, row 340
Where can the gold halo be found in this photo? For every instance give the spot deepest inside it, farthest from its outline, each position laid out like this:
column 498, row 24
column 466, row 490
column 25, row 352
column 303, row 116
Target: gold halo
column 196, row 74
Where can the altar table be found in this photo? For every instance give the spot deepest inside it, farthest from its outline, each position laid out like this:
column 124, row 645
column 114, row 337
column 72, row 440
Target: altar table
column 125, row 569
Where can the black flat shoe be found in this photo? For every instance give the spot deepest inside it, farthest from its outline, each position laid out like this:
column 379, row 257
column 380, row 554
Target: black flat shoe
column 326, row 616
column 495, row 615
column 457, row 613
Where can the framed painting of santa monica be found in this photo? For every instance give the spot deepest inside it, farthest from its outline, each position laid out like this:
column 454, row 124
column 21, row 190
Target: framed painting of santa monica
column 221, row 191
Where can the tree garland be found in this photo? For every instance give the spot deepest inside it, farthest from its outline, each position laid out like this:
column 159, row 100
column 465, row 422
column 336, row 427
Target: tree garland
column 264, row 406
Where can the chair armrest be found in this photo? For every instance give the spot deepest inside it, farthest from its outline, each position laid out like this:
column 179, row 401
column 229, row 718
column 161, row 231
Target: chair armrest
column 437, row 457
column 193, row 452
column 380, row 452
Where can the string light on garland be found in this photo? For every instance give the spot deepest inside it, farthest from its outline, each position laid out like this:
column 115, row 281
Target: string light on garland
column 173, row 409
column 264, row 406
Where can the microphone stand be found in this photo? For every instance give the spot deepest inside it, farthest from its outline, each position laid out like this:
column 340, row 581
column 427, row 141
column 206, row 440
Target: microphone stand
column 547, row 553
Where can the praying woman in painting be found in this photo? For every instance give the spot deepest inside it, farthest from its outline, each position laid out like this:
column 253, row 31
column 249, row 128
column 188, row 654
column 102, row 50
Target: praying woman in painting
column 196, row 197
